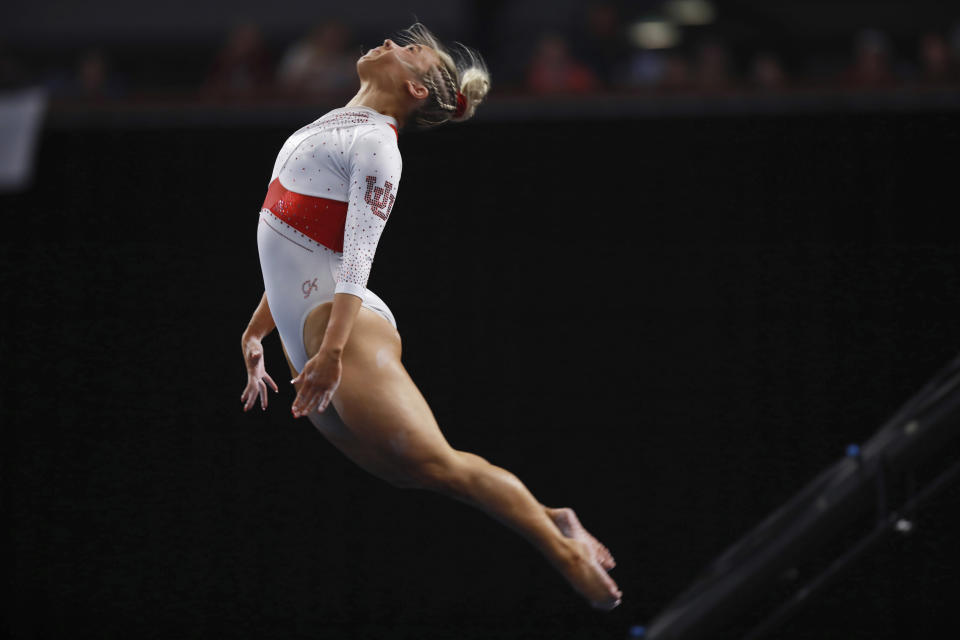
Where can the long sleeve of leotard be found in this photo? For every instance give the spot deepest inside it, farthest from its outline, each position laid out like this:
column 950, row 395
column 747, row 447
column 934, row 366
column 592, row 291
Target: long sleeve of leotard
column 375, row 167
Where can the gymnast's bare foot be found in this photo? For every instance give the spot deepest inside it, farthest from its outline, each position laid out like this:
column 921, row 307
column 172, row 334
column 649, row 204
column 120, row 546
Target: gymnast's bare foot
column 588, row 578
column 569, row 525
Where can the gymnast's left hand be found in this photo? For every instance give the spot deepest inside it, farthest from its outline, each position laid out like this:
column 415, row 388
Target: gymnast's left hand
column 317, row 383
column 257, row 376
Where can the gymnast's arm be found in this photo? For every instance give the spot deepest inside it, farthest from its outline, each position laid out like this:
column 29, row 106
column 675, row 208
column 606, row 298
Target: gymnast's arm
column 344, row 313
column 261, row 324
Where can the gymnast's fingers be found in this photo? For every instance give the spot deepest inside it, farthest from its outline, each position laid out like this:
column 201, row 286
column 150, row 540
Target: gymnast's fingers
column 273, row 385
column 263, row 394
column 247, row 398
column 303, row 402
column 324, row 401
column 316, row 400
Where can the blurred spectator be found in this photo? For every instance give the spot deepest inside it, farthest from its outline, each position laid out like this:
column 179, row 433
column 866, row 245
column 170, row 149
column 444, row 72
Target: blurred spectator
column 320, row 62
column 242, row 66
column 93, row 78
column 554, row 70
column 871, row 66
column 658, row 69
column 766, row 72
column 936, row 67
column 676, row 73
column 711, row 70
column 602, row 45
column 645, row 68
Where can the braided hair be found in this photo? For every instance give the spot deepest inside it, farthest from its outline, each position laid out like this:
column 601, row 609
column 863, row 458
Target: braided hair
column 456, row 86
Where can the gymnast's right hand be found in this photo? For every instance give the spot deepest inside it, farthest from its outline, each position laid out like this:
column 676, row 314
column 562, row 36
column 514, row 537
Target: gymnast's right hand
column 317, row 383
column 257, row 376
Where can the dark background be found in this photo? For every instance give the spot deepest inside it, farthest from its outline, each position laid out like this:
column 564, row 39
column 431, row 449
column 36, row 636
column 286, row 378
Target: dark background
column 669, row 324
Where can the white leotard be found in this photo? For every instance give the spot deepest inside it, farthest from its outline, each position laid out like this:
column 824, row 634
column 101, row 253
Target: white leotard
column 347, row 158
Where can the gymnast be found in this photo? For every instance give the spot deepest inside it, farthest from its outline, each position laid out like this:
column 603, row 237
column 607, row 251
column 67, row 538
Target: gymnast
column 331, row 191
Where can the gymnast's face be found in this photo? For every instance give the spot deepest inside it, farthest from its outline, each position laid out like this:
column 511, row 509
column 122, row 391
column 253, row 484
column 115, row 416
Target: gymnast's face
column 395, row 66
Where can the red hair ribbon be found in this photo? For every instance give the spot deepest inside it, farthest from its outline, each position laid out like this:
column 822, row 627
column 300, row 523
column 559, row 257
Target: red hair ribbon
column 461, row 105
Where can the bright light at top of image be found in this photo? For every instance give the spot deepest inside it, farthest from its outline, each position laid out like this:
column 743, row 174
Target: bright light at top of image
column 690, row 12
column 654, row 34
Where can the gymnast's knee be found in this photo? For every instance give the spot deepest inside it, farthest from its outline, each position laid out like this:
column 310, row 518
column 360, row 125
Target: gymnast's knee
column 450, row 475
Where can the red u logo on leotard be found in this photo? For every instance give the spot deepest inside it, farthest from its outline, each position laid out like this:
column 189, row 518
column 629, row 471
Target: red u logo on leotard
column 379, row 198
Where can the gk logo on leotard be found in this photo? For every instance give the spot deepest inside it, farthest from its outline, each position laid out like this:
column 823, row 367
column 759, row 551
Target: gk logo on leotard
column 309, row 287
column 379, row 198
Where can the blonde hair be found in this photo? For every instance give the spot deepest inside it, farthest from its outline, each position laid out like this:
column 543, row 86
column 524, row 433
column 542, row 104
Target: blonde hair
column 461, row 71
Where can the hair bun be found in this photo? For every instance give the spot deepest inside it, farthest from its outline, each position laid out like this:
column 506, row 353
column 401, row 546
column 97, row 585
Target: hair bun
column 474, row 86
column 457, row 84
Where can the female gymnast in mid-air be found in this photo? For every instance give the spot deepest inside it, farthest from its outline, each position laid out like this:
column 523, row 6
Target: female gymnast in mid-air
column 332, row 189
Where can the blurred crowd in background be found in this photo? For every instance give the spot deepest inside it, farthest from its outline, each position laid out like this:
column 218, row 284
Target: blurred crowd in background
column 682, row 46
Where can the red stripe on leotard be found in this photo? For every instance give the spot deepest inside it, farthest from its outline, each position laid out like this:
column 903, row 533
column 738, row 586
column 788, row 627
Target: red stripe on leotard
column 319, row 219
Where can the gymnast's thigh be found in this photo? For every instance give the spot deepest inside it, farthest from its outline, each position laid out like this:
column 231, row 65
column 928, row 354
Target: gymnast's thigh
column 382, row 420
